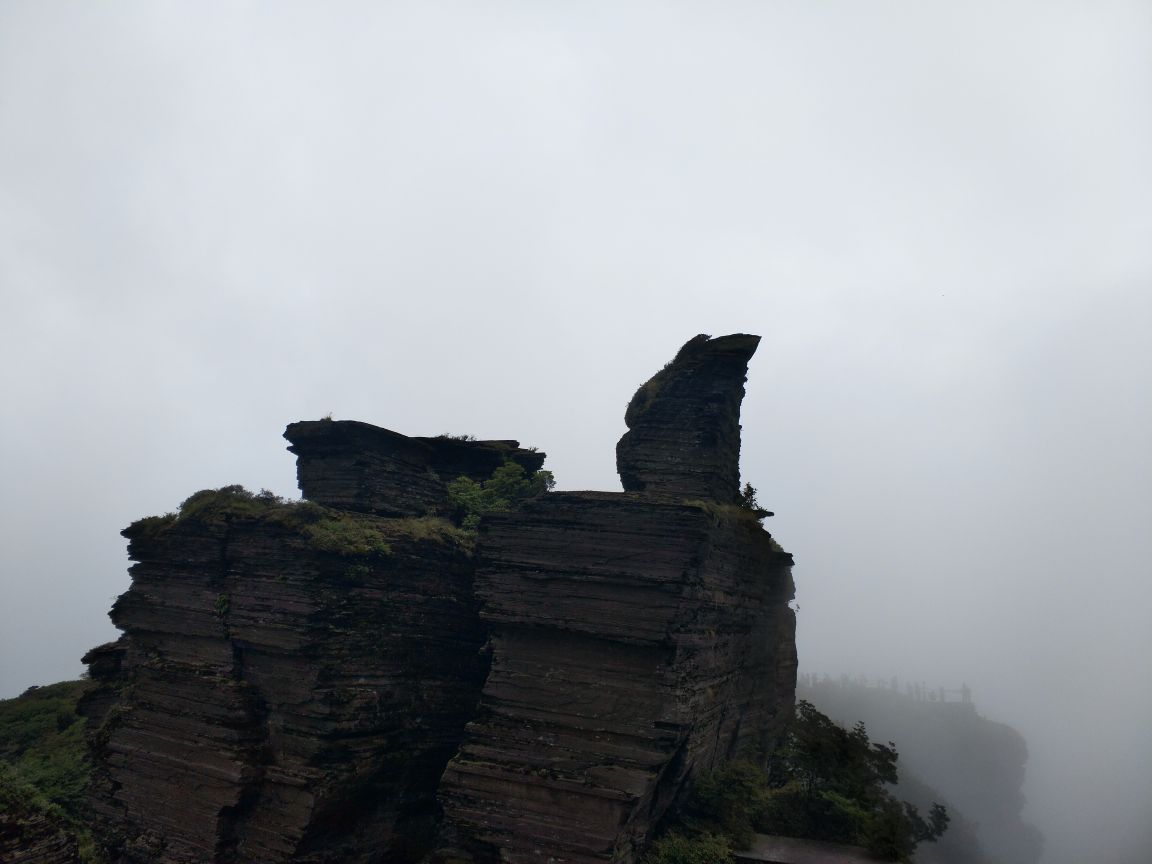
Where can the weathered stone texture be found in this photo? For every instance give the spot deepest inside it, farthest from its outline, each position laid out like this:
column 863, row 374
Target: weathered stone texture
column 683, row 435
column 275, row 700
column 635, row 643
column 357, row 466
column 32, row 836
column 270, row 702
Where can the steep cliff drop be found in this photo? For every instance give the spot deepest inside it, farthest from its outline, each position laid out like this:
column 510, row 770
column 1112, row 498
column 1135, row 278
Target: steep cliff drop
column 638, row 638
column 353, row 678
column 293, row 677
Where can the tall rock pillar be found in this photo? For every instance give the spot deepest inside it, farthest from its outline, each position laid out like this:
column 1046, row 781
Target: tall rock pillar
column 683, row 423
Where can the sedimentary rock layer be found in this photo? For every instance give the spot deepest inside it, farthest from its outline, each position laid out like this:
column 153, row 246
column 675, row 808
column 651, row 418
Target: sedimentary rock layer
column 288, row 687
column 293, row 679
column 356, row 466
column 683, row 433
column 31, row 835
column 635, row 643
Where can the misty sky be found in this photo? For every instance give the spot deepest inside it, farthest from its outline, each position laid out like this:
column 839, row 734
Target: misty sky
column 499, row 218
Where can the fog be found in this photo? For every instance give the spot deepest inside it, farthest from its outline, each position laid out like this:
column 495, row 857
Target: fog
column 500, row 218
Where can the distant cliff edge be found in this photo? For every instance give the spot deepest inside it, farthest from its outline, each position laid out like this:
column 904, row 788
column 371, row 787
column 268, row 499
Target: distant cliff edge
column 950, row 753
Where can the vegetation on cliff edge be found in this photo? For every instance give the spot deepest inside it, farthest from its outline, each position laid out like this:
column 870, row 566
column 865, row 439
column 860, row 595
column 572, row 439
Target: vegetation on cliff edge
column 503, row 492
column 339, row 532
column 44, row 763
column 824, row 783
column 748, row 512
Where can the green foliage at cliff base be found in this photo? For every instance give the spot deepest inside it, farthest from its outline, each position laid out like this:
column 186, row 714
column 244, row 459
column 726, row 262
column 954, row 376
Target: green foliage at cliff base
column 44, row 763
column 825, row 783
column 704, row 848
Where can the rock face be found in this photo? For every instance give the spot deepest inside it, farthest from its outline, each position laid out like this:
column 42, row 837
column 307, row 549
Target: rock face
column 352, row 679
column 32, row 836
column 635, row 644
column 357, row 466
column 289, row 685
column 683, row 433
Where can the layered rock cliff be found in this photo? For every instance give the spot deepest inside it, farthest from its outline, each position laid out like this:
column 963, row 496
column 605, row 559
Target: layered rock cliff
column 290, row 683
column 683, row 423
column 358, row 466
column 354, row 678
column 33, row 835
column 635, row 643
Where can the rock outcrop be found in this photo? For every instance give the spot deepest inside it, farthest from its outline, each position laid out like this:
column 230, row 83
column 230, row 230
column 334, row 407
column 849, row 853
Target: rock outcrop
column 34, row 835
column 635, row 644
column 290, row 683
column 683, row 423
column 352, row 678
column 357, row 466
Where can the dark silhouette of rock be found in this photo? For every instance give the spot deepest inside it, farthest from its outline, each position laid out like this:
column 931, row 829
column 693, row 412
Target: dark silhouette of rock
column 276, row 697
column 33, row 835
column 683, row 434
column 635, row 643
column 293, row 679
column 357, row 466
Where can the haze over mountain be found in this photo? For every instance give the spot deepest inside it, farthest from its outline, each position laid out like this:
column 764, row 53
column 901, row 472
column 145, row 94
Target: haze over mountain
column 483, row 219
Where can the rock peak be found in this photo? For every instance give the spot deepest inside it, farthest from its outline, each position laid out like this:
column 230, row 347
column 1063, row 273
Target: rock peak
column 683, row 423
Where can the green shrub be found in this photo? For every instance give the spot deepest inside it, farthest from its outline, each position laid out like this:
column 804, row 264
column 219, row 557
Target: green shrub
column 44, row 762
column 731, row 800
column 334, row 531
column 509, row 485
column 831, row 784
column 228, row 501
column 346, row 534
column 720, row 513
column 677, row 849
column 42, row 739
column 436, row 529
column 825, row 783
column 748, row 502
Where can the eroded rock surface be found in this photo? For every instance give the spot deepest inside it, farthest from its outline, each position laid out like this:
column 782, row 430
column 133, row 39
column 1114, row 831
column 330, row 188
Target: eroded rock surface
column 636, row 643
column 31, row 835
column 683, row 423
column 638, row 639
column 358, row 466
column 289, row 685
column 293, row 679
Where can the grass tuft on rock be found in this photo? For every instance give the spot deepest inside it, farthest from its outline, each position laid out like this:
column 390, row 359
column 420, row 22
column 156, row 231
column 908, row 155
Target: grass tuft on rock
column 334, row 531
column 337, row 532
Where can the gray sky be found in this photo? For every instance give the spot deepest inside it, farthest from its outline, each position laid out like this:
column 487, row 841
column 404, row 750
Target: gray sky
column 500, row 218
